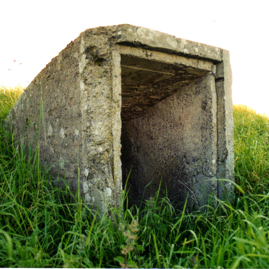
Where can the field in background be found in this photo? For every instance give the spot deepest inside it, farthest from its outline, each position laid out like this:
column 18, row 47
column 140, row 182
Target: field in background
column 251, row 148
column 8, row 98
column 40, row 226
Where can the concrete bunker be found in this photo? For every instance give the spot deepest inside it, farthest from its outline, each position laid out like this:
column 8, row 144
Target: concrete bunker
column 123, row 97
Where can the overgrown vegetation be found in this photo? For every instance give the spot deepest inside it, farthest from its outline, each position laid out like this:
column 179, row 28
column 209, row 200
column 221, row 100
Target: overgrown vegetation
column 8, row 98
column 40, row 227
column 251, row 136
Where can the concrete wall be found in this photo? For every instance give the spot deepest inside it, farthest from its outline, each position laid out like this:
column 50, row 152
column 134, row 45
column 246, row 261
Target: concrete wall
column 123, row 96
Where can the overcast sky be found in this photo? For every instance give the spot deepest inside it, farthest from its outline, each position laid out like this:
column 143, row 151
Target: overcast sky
column 33, row 32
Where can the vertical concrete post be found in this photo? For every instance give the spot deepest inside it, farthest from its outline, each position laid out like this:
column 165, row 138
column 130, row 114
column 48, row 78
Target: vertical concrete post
column 225, row 127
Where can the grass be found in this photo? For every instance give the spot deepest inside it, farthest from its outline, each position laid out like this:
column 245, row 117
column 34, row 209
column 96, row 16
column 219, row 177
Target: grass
column 41, row 227
column 8, row 98
column 251, row 149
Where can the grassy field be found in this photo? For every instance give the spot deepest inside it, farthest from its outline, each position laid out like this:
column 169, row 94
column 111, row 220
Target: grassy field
column 40, row 227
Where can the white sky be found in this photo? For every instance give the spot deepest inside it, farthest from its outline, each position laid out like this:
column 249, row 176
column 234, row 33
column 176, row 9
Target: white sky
column 33, row 32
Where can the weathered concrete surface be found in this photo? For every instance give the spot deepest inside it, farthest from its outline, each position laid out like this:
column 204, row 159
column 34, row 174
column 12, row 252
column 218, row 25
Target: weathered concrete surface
column 124, row 96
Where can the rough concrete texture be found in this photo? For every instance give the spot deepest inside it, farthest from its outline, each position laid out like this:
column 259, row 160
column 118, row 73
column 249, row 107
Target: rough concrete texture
column 122, row 97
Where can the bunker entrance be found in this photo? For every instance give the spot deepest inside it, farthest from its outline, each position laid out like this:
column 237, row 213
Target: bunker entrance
column 165, row 106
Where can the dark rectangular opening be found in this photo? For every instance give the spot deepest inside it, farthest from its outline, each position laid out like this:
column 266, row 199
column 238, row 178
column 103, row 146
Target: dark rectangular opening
column 159, row 121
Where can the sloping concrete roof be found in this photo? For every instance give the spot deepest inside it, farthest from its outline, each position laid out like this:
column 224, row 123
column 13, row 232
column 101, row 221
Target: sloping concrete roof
column 158, row 41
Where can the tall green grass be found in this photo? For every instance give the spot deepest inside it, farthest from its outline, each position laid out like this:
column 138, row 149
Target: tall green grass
column 8, row 98
column 251, row 149
column 40, row 226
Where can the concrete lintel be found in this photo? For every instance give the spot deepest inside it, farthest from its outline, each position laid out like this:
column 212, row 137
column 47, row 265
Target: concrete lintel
column 166, row 58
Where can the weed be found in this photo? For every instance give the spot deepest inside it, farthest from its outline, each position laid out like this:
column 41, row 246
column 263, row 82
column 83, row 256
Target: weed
column 129, row 232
